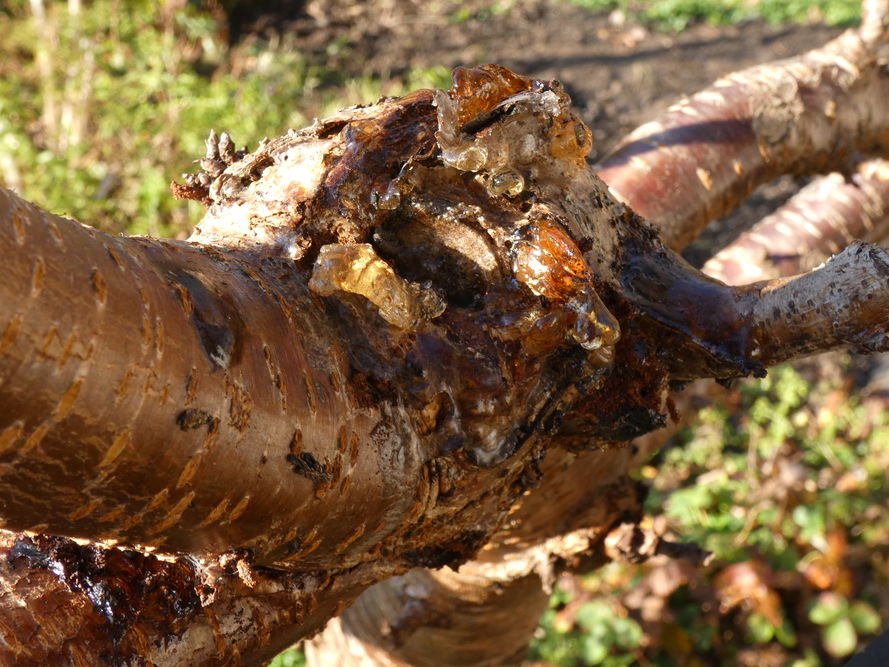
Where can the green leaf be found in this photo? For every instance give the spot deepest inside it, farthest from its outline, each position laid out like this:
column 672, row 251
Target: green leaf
column 760, row 629
column 839, row 638
column 595, row 616
column 292, row 657
column 627, row 633
column 828, row 608
column 593, row 651
column 811, row 520
column 786, row 634
column 865, row 619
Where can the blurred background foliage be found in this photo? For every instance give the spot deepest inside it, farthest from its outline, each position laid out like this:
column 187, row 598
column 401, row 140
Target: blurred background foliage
column 678, row 14
column 103, row 103
column 785, row 480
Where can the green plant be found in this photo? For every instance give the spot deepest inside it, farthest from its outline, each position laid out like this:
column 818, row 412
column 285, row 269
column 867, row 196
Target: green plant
column 676, row 15
column 101, row 109
column 292, row 657
column 602, row 636
column 787, row 488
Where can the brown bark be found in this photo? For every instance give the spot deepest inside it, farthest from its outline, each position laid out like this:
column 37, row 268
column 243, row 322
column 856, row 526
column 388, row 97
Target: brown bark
column 386, row 330
column 435, row 620
column 818, row 222
column 805, row 115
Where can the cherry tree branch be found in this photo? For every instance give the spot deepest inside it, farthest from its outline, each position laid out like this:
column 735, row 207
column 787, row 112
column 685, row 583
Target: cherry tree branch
column 820, row 220
column 804, row 115
column 403, row 309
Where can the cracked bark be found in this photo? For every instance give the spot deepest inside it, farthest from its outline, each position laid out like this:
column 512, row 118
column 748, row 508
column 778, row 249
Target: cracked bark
column 818, row 222
column 386, row 330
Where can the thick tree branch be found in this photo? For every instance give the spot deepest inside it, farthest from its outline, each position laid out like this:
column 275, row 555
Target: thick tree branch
column 402, row 309
column 63, row 603
column 805, row 115
column 149, row 390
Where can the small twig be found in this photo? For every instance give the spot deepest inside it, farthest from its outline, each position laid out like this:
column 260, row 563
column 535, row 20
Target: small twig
column 874, row 21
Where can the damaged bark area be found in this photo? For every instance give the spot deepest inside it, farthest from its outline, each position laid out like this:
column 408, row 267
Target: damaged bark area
column 818, row 222
column 387, row 329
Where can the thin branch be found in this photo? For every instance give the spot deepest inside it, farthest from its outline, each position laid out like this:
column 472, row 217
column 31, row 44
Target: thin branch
column 819, row 221
column 846, row 302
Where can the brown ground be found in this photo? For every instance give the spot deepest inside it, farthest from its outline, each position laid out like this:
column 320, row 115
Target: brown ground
column 618, row 73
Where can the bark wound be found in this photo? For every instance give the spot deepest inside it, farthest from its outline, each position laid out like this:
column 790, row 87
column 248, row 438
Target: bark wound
column 125, row 588
column 459, row 226
column 308, row 466
column 214, row 317
column 191, row 419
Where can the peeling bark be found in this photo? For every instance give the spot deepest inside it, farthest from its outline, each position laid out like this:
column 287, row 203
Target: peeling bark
column 388, row 328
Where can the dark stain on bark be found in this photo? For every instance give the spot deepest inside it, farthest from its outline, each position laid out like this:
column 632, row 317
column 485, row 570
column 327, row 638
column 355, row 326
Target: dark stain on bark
column 308, row 466
column 124, row 587
column 879, row 263
column 193, row 418
column 213, row 315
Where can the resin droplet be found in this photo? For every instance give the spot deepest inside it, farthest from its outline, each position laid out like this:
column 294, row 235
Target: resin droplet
column 472, row 158
column 506, row 183
column 571, row 139
column 595, row 326
column 551, row 265
column 479, row 89
column 359, row 270
column 388, row 200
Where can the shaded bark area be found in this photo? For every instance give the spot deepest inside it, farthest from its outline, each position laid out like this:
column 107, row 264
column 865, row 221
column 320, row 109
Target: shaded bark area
column 66, row 603
column 432, row 617
column 389, row 328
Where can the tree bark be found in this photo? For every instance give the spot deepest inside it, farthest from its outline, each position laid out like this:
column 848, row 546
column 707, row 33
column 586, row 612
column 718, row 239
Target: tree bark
column 817, row 222
column 808, row 114
column 820, row 221
column 386, row 330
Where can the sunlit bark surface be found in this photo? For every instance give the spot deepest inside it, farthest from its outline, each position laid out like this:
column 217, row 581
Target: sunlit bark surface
column 827, row 215
column 388, row 330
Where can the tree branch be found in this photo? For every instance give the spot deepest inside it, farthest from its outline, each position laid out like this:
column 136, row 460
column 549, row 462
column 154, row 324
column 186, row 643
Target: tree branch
column 804, row 115
column 150, row 389
column 844, row 303
column 820, row 220
column 402, row 309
